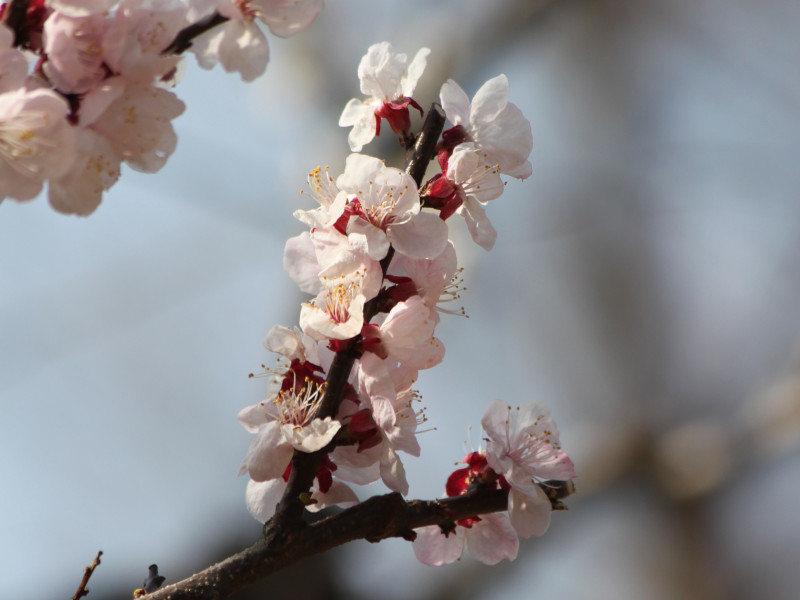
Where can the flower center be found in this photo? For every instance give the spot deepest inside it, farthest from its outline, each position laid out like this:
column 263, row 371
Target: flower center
column 298, row 404
column 18, row 140
column 340, row 294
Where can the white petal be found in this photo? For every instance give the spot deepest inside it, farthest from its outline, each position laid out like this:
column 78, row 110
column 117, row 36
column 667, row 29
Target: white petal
column 423, row 236
column 262, row 497
column 268, row 455
column 300, row 262
column 312, row 437
column 480, row 228
column 431, row 547
column 393, row 473
column 455, row 103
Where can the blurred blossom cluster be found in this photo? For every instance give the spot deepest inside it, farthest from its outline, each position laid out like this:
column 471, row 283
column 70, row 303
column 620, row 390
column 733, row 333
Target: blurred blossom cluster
column 86, row 86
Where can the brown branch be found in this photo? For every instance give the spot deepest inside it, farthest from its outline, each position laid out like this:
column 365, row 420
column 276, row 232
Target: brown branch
column 183, row 41
column 375, row 519
column 87, row 573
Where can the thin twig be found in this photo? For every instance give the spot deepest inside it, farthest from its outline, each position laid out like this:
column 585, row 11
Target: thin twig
column 87, row 573
column 183, row 41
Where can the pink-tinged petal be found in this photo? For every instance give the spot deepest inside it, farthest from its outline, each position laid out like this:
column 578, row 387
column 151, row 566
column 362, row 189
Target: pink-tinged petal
column 37, row 141
column 262, row 497
column 252, row 417
column 96, row 168
column 312, row 437
column 393, row 473
column 495, row 419
column 357, row 467
column 478, row 224
column 455, row 103
column 268, row 455
column 363, row 120
column 98, row 99
column 432, row 547
column 492, row 539
column 74, row 52
column 240, row 47
column 509, row 142
column 376, row 244
column 529, row 514
column 407, row 334
column 490, row 100
column 300, row 262
column 424, row 235
column 317, row 323
column 339, row 494
column 286, row 342
column 285, row 18
column 469, row 169
column 414, row 72
column 139, row 126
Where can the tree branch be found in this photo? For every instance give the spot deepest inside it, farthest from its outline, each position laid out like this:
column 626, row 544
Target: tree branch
column 375, row 519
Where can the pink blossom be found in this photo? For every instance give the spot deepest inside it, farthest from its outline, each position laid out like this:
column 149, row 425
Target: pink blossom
column 138, row 125
column 95, row 170
column 338, row 310
column 468, row 183
column 239, row 45
column 382, row 204
column 523, row 447
column 389, row 81
column 406, row 335
column 387, row 424
column 490, row 539
column 285, row 422
column 36, row 142
column 493, row 123
column 138, row 33
column 73, row 46
column 436, row 280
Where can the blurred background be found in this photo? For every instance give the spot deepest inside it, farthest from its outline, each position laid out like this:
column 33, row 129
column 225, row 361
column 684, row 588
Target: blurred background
column 644, row 285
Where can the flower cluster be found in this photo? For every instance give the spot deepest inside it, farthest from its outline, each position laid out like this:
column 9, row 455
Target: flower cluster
column 377, row 263
column 99, row 93
column 523, row 448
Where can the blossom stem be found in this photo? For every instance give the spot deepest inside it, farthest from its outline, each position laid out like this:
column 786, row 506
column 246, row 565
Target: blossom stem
column 425, row 147
column 183, row 41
